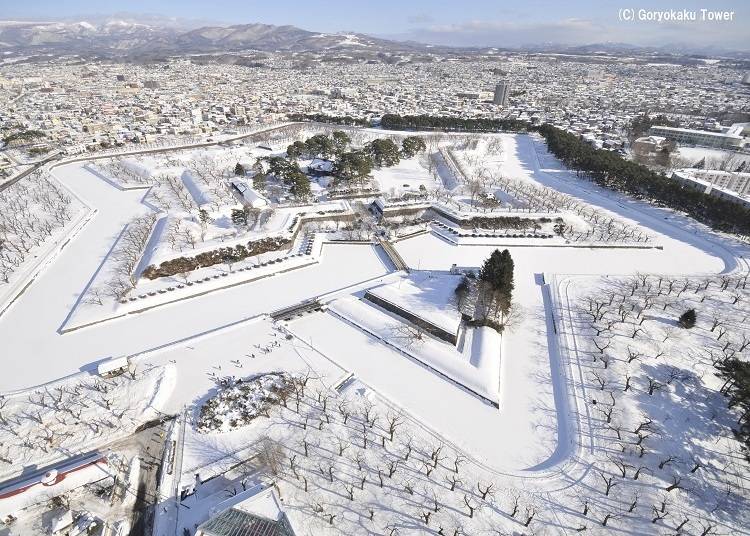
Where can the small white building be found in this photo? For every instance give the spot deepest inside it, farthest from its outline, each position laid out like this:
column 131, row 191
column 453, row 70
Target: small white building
column 251, row 197
column 113, row 367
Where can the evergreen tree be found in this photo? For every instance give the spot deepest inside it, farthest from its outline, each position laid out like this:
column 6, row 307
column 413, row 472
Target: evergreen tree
column 296, row 149
column 300, row 186
column 203, row 217
column 320, row 146
column 340, row 141
column 259, row 181
column 384, row 152
column 239, row 217
column 353, row 165
column 736, row 376
column 239, row 170
column 412, row 145
column 497, row 280
column 687, row 319
column 283, row 169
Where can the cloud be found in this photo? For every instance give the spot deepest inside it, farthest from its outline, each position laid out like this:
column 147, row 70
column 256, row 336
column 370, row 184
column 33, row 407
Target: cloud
column 420, row 18
column 579, row 31
column 505, row 34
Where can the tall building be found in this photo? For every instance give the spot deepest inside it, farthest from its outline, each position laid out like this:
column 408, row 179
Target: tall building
column 502, row 89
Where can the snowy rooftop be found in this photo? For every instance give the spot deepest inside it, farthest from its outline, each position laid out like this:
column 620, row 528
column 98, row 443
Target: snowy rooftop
column 427, row 296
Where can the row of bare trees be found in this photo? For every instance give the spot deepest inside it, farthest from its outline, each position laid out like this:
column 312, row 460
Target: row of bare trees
column 129, row 249
column 351, row 456
column 54, row 421
column 31, row 210
column 646, row 384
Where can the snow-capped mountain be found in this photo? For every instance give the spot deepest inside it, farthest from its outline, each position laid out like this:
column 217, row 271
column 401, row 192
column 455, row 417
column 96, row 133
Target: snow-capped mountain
column 129, row 36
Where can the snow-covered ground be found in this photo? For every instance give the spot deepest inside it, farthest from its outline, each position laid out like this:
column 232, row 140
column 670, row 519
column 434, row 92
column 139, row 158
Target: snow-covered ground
column 546, row 442
column 407, row 176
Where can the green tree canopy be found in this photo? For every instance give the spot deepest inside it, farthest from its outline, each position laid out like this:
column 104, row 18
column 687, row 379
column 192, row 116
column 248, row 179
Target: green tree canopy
column 300, row 186
column 497, row 276
column 319, row 146
column 340, row 141
column 687, row 319
column 259, row 181
column 353, row 165
column 412, row 145
column 296, row 149
column 239, row 217
column 384, row 152
column 283, row 168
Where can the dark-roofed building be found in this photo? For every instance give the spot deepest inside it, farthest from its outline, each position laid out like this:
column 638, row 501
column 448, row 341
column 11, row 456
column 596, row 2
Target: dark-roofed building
column 259, row 514
column 233, row 522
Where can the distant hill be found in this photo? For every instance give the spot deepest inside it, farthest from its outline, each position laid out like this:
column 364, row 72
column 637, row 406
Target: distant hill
column 151, row 36
column 123, row 37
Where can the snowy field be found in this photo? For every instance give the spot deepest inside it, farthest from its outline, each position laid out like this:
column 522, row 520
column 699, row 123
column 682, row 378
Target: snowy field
column 407, row 176
column 546, row 461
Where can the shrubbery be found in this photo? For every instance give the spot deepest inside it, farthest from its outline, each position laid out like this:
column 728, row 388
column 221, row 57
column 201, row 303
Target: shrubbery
column 217, row 256
column 503, row 222
column 428, row 122
column 242, row 401
column 687, row 319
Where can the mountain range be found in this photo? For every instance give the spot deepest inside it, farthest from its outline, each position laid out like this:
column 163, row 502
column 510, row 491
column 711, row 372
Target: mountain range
column 150, row 36
column 125, row 37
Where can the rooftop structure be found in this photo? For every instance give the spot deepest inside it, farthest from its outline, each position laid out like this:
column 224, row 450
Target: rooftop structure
column 233, row 522
column 258, row 515
column 734, row 187
column 731, row 138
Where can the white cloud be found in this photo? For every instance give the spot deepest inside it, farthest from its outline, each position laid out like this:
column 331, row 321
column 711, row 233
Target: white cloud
column 579, row 31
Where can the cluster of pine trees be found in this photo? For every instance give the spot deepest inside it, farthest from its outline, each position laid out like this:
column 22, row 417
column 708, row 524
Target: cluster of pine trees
column 331, row 119
column 736, row 388
column 611, row 171
column 225, row 255
column 349, row 163
column 429, row 122
column 496, row 286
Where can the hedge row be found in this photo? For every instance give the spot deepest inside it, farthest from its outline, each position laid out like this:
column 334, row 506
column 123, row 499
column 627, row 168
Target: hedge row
column 504, row 222
column 428, row 122
column 225, row 255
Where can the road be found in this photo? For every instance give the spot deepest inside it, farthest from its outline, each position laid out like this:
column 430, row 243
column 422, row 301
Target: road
column 27, row 172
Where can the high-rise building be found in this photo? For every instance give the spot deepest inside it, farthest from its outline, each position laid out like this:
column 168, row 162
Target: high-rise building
column 502, row 89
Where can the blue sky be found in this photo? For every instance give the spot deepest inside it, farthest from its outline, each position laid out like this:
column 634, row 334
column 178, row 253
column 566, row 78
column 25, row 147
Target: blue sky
column 459, row 22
